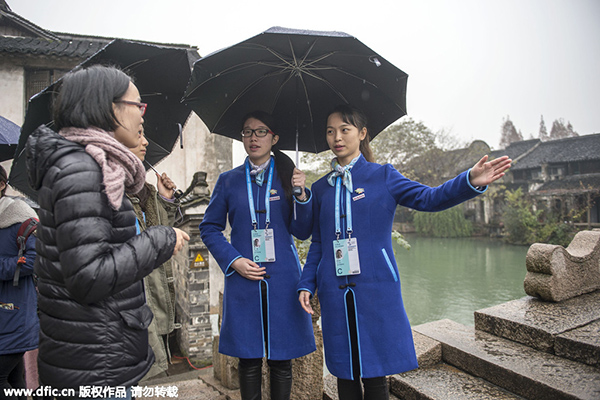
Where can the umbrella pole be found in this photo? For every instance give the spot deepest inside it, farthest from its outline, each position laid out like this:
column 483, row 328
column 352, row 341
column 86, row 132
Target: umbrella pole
column 297, row 190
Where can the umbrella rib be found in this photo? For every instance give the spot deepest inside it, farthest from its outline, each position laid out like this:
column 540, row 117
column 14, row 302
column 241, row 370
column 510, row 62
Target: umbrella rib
column 316, row 76
column 242, row 93
column 158, row 145
column 234, row 69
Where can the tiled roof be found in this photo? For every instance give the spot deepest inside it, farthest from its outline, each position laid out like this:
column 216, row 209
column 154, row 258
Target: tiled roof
column 38, row 41
column 74, row 48
column 13, row 19
column 516, row 149
column 579, row 148
column 570, row 184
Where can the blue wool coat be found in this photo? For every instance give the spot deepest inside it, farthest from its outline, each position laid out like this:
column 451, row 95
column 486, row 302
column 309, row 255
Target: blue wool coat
column 290, row 328
column 384, row 334
column 19, row 328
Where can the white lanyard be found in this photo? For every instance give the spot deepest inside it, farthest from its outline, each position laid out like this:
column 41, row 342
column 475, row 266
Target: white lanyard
column 267, row 195
column 338, row 231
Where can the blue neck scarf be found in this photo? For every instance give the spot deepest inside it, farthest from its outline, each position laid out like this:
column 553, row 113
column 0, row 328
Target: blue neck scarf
column 344, row 172
column 259, row 171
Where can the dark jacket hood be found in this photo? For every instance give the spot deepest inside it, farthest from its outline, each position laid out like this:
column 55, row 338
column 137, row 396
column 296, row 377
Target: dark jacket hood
column 44, row 146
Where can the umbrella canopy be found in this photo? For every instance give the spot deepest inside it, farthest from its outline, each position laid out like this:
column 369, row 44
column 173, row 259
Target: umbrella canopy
column 160, row 73
column 9, row 136
column 298, row 76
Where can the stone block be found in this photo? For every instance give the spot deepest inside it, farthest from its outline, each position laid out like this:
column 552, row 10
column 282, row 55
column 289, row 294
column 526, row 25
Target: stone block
column 536, row 323
column 330, row 391
column 429, row 351
column 556, row 274
column 225, row 367
column 519, row 369
column 581, row 344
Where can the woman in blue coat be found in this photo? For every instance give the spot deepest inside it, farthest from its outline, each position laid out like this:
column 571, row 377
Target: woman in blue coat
column 19, row 324
column 261, row 316
column 351, row 263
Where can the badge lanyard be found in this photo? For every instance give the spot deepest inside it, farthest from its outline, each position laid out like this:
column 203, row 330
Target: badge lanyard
column 346, row 259
column 338, row 231
column 267, row 195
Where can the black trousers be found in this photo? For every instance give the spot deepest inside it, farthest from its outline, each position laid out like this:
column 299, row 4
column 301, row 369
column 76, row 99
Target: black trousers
column 12, row 373
column 250, row 369
column 374, row 388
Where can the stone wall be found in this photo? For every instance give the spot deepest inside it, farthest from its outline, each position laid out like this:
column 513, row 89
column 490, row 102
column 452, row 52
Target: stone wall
column 192, row 278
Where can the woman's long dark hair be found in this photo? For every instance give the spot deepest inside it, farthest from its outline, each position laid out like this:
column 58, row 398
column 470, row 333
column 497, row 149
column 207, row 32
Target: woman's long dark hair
column 283, row 164
column 357, row 118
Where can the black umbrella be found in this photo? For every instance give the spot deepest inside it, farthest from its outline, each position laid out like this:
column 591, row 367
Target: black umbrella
column 298, row 76
column 161, row 74
column 9, row 136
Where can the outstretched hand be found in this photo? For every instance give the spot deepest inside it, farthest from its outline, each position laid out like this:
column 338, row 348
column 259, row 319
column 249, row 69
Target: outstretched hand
column 485, row 172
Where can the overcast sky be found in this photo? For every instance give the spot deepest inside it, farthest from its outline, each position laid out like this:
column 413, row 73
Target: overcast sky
column 470, row 63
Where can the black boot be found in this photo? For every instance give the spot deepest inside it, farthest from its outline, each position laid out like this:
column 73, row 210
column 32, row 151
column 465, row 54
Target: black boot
column 250, row 373
column 349, row 389
column 281, row 379
column 376, row 388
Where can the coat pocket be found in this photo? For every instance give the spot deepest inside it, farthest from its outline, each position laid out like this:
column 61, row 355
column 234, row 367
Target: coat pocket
column 390, row 265
column 297, row 259
column 138, row 318
column 12, row 321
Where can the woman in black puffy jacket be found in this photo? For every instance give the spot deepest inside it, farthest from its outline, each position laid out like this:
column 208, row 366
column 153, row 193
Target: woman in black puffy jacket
column 90, row 263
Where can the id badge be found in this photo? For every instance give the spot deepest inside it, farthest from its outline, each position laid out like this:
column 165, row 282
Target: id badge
column 263, row 245
column 345, row 252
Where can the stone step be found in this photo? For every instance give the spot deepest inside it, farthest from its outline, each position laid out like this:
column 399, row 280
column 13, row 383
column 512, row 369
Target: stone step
column 581, row 344
column 330, row 391
column 570, row 328
column 530, row 373
column 443, row 382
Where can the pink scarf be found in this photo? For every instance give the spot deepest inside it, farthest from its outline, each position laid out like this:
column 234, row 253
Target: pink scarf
column 122, row 171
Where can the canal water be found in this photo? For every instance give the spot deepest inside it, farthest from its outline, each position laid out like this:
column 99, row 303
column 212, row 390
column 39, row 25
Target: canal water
column 451, row 278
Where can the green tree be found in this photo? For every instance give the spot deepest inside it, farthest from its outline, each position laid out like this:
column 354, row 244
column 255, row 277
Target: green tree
column 520, row 221
column 447, row 223
column 543, row 133
column 561, row 130
column 402, row 142
column 509, row 133
column 525, row 224
column 315, row 165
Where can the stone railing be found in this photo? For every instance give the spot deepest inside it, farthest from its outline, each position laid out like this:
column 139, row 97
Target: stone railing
column 556, row 274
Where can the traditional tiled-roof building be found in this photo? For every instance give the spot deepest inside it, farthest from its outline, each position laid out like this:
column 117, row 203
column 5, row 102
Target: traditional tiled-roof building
column 562, row 175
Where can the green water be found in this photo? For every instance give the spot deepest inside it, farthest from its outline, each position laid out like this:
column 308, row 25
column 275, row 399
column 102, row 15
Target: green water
column 451, row 278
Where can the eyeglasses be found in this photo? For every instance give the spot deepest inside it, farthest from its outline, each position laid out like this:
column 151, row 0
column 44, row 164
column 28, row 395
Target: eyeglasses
column 260, row 132
column 141, row 106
